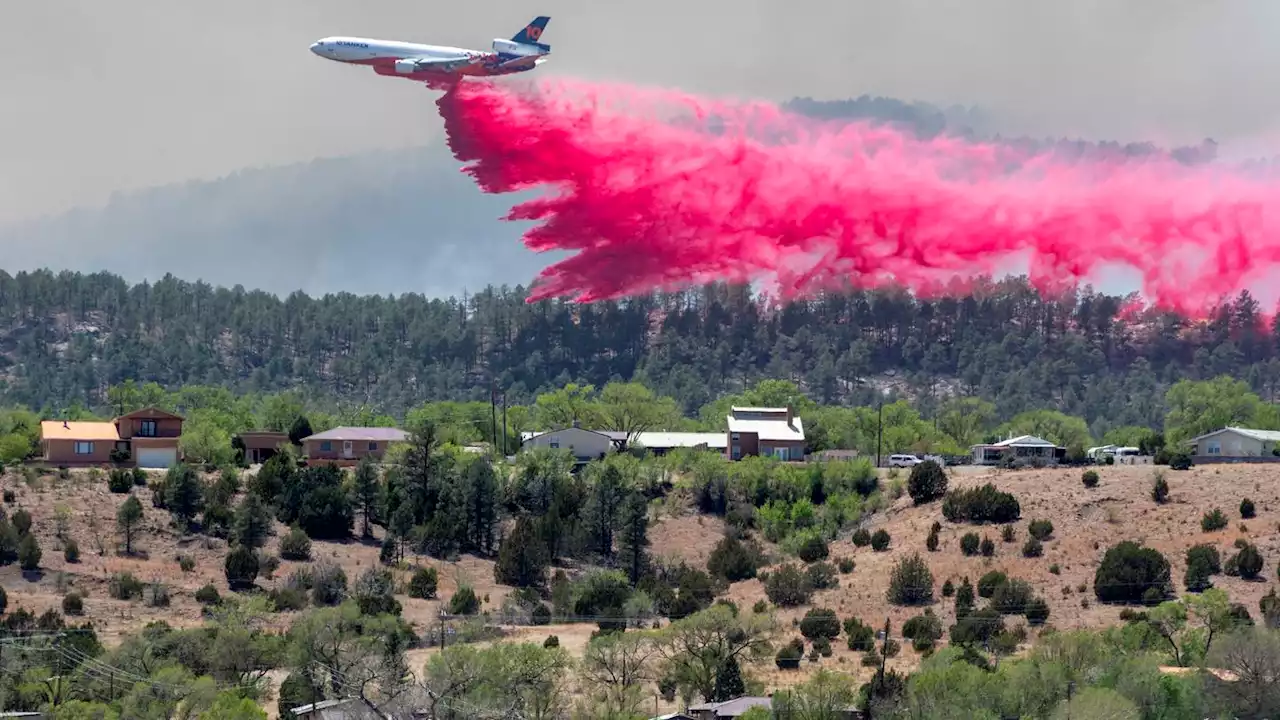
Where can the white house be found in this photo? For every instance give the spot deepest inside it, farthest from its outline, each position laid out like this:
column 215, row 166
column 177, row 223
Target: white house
column 776, row 432
column 1236, row 442
column 586, row 445
column 1023, row 447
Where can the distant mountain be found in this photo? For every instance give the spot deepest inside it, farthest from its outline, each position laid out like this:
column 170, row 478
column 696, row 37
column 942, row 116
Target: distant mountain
column 376, row 223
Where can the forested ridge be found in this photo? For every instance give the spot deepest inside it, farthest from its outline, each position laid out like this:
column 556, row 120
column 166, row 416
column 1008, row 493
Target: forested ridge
column 68, row 337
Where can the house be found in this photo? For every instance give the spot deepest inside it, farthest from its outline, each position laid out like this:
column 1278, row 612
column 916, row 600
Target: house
column 729, row 708
column 765, row 431
column 661, row 443
column 1024, row 448
column 349, row 445
column 1236, row 442
column 148, row 438
column 674, row 716
column 260, row 445
column 586, row 445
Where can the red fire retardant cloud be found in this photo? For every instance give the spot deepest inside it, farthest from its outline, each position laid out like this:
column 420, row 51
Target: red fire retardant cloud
column 658, row 190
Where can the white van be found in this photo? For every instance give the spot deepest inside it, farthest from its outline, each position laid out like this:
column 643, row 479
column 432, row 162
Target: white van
column 904, row 460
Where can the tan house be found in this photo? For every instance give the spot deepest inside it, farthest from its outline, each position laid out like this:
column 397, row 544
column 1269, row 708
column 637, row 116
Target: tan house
column 1236, row 442
column 147, row 438
column 260, row 445
column 775, row 432
column 349, row 445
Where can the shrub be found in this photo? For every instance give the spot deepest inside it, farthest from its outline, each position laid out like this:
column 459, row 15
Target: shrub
column 1159, row 488
column 734, row 559
column 880, row 540
column 988, row 583
column 29, row 553
column 822, row 646
column 1032, row 548
column 820, row 623
column 10, row 496
column 124, row 586
column 860, row 637
column 846, row 565
column 948, row 589
column 1055, row 569
column 4, row 600
column 120, row 481
column 1037, row 612
column 288, row 599
column 1213, row 520
column 931, row 542
column 813, row 548
column 71, row 551
column 1128, row 571
column 21, row 521
column 927, row 482
column 1040, row 529
column 139, row 477
column 788, row 586
column 1008, row 534
column 158, row 595
column 969, row 544
column 822, row 576
column 552, row 641
column 761, row 607
column 910, row 583
column 328, row 584
column 73, row 604
column 981, row 505
column 186, row 563
column 1012, row 597
column 423, row 584
column 861, row 538
column 1247, row 563
column 988, row 547
column 923, row 631
column 1246, row 509
column 241, row 568
column 295, row 545
column 1203, row 562
column 464, row 602
column 789, row 655
column 207, row 595
column 1179, row 461
column 1090, row 478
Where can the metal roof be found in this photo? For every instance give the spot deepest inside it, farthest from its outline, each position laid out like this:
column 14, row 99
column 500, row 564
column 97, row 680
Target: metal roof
column 78, row 430
column 658, row 439
column 1259, row 435
column 767, row 428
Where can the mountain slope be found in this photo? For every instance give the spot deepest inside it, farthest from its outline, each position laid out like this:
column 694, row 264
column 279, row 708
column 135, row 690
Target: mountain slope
column 385, row 222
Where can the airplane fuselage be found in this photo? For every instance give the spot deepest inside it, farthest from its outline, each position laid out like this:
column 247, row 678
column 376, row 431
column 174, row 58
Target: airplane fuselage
column 389, row 57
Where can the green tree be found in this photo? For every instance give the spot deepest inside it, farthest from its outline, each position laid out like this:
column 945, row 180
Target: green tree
column 522, row 558
column 571, row 405
column 128, row 517
column 633, row 539
column 183, row 495
column 632, row 408
column 1199, row 407
column 252, row 523
column 366, row 493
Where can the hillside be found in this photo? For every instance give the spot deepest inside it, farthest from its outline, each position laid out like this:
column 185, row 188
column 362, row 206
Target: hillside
column 1086, row 521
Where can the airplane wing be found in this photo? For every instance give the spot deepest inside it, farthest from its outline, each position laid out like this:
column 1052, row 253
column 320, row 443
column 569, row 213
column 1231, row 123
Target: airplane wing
column 436, row 64
column 523, row 61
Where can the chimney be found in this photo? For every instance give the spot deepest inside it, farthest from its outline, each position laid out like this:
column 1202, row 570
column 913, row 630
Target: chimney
column 65, row 426
column 788, row 415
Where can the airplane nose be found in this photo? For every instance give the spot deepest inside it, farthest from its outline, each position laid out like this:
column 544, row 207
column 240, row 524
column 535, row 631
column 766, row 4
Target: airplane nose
column 316, row 47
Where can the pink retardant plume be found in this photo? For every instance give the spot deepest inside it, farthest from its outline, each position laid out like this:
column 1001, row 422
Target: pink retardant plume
column 659, row 190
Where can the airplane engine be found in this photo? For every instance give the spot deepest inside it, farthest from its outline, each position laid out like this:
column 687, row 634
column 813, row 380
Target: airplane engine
column 406, row 67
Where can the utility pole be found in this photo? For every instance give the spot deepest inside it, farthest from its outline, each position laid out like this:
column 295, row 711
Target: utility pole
column 493, row 409
column 879, row 429
column 504, row 423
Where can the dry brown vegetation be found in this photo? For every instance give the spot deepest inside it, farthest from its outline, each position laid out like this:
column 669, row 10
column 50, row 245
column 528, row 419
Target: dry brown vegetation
column 1086, row 521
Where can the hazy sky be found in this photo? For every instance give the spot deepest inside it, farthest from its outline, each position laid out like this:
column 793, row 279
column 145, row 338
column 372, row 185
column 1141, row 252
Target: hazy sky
column 100, row 96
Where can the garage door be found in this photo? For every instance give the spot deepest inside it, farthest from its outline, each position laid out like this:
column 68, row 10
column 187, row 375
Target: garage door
column 157, row 457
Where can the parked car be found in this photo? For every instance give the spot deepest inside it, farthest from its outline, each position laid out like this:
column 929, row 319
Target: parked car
column 904, row 460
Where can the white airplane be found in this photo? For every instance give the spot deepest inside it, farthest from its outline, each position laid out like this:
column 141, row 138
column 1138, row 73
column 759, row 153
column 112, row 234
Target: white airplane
column 438, row 66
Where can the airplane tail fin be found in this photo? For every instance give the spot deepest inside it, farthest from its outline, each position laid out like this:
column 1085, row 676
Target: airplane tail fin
column 532, row 33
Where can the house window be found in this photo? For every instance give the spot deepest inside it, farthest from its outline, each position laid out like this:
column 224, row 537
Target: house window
column 84, row 448
column 147, row 428
column 737, row 452
column 735, row 436
column 555, row 444
column 373, row 446
column 1215, row 447
column 326, row 446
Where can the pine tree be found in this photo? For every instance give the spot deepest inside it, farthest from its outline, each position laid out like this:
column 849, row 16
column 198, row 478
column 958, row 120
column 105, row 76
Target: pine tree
column 729, row 684
column 606, row 499
column 964, row 598
column 522, row 558
column 253, row 522
column 183, row 494
column 482, row 505
column 634, row 537
column 366, row 492
column 127, row 519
